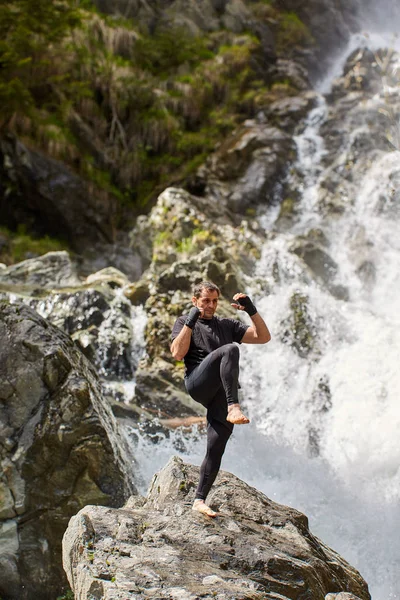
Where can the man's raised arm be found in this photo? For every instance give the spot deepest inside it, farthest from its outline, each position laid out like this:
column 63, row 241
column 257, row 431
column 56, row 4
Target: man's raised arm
column 258, row 333
column 180, row 345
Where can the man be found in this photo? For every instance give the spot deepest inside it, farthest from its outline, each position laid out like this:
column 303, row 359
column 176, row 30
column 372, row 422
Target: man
column 208, row 345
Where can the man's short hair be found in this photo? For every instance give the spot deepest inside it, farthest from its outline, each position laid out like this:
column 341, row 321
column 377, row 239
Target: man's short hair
column 205, row 285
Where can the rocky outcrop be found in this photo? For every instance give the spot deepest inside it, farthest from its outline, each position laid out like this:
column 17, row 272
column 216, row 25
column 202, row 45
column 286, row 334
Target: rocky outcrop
column 186, row 243
column 192, row 15
column 94, row 312
column 51, row 200
column 50, row 271
column 243, row 173
column 158, row 547
column 60, row 450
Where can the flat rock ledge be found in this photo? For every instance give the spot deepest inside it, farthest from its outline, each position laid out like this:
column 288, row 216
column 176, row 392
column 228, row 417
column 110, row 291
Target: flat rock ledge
column 157, row 547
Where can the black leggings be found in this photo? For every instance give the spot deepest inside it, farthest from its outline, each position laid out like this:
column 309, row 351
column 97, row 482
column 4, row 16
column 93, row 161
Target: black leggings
column 217, row 436
column 218, row 372
column 214, row 383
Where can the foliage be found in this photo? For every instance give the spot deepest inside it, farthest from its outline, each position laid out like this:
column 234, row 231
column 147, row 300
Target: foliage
column 167, row 49
column 19, row 246
column 292, row 32
column 29, row 31
column 130, row 111
column 69, row 595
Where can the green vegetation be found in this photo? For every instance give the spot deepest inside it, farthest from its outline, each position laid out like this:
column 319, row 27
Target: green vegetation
column 18, row 246
column 292, row 32
column 67, row 596
column 128, row 110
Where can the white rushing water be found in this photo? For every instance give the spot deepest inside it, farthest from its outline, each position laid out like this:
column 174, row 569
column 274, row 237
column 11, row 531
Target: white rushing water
column 324, row 432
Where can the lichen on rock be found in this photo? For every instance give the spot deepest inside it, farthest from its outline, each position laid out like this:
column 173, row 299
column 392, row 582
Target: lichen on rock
column 255, row 549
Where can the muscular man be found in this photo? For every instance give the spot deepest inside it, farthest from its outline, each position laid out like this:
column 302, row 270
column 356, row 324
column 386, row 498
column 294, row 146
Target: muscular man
column 208, row 345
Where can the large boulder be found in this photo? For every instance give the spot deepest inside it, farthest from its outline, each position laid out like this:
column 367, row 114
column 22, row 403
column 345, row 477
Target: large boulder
column 49, row 271
column 95, row 312
column 245, row 170
column 188, row 239
column 59, row 449
column 50, row 199
column 158, row 547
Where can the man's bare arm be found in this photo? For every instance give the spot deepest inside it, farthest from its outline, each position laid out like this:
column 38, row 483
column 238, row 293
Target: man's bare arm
column 258, row 333
column 180, row 345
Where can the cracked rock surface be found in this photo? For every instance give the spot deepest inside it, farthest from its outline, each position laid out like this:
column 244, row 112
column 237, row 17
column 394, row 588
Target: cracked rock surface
column 59, row 450
column 157, row 547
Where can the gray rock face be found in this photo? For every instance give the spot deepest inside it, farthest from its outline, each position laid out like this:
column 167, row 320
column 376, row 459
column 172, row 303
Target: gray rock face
column 244, row 171
column 158, row 547
column 59, row 450
column 50, row 271
column 95, row 313
column 43, row 193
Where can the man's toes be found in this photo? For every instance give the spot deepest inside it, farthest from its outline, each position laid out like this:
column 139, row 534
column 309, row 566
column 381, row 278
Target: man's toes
column 236, row 417
column 203, row 509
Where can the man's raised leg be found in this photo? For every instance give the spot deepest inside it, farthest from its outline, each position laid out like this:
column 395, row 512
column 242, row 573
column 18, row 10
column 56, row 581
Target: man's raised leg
column 220, row 369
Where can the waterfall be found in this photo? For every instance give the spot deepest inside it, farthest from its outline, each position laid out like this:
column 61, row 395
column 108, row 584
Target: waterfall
column 324, row 431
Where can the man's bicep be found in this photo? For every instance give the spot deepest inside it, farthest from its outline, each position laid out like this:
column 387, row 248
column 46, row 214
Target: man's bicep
column 250, row 336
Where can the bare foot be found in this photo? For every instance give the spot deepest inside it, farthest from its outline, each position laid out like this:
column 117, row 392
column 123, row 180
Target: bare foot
column 201, row 507
column 236, row 416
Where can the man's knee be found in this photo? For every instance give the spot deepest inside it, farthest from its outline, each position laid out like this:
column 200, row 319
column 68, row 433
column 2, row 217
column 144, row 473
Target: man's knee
column 232, row 350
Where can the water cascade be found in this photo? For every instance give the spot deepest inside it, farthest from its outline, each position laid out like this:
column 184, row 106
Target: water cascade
column 324, row 406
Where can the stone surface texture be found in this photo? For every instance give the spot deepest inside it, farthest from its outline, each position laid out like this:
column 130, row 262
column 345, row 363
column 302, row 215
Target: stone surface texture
column 157, row 547
column 59, row 450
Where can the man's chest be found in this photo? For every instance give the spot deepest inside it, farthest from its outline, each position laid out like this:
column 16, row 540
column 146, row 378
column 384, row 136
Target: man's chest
column 209, row 337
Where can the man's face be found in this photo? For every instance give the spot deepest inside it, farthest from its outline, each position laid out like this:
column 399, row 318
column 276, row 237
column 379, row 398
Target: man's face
column 207, row 303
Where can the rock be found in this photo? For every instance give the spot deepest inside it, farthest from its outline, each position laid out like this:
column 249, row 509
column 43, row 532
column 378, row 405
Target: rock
column 109, row 275
column 323, row 267
column 288, row 112
column 99, row 318
column 158, row 547
column 244, row 171
column 118, row 256
column 160, row 391
column 188, row 245
column 341, row 596
column 50, row 271
column 60, row 449
column 51, row 199
column 137, row 292
column 330, row 26
column 299, row 330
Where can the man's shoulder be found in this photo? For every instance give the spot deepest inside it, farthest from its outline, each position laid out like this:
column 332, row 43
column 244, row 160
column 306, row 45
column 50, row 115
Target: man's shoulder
column 180, row 319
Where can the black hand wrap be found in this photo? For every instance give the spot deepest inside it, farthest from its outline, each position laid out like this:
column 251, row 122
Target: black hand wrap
column 248, row 305
column 192, row 317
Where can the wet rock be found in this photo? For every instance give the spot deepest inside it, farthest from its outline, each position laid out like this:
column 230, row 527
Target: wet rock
column 244, row 171
column 44, row 194
column 330, row 26
column 255, row 549
column 324, row 268
column 50, row 271
column 299, row 330
column 288, row 112
column 96, row 313
column 60, row 449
